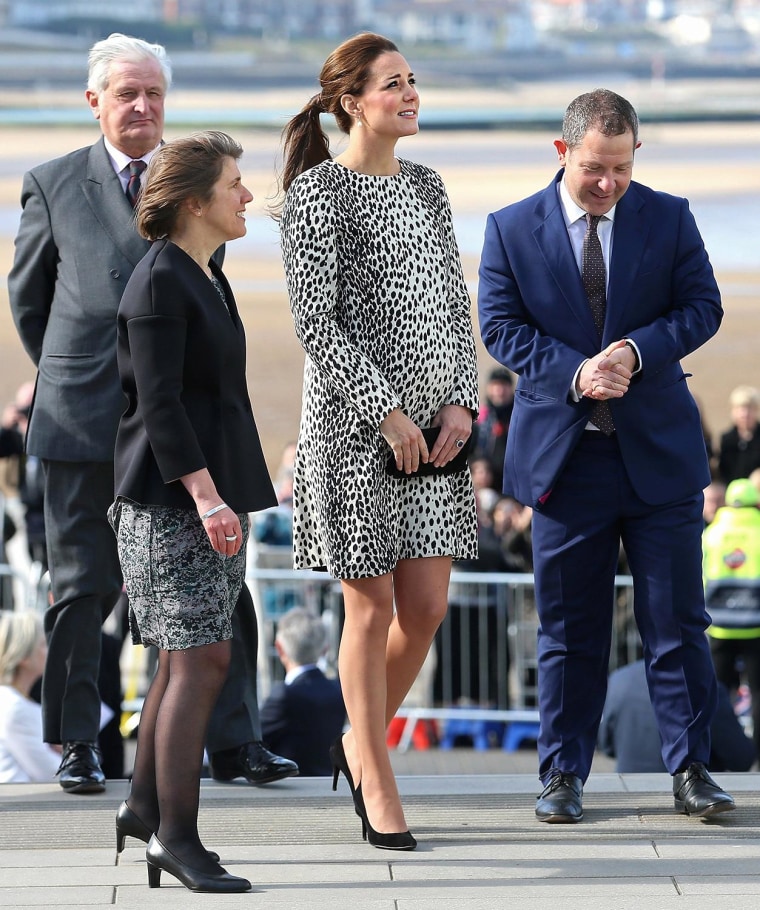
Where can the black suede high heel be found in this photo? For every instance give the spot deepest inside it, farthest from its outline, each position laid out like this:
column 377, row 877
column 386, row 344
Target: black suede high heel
column 130, row 825
column 162, row 860
column 340, row 763
column 403, row 840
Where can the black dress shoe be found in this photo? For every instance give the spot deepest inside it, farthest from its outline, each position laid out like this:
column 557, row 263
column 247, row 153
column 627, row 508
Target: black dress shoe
column 160, row 860
column 696, row 793
column 253, row 761
column 561, row 799
column 129, row 824
column 80, row 770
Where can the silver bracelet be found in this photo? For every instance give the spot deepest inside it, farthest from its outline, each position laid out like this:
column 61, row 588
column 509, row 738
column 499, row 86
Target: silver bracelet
column 214, row 511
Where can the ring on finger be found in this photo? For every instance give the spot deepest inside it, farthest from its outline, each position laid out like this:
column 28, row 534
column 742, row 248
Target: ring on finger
column 234, row 537
column 459, row 443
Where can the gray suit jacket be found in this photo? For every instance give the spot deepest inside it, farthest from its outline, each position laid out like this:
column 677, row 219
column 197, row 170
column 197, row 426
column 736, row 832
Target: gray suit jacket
column 75, row 250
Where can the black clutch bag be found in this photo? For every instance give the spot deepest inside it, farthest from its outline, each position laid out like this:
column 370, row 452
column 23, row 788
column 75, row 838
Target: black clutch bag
column 458, row 463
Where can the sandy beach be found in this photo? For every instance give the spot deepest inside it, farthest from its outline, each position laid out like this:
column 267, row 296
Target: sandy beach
column 482, row 172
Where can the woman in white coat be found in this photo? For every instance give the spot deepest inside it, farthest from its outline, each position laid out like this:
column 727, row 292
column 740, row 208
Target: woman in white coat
column 24, row 757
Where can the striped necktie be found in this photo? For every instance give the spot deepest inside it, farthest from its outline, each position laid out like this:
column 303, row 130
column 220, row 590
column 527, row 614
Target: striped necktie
column 133, row 184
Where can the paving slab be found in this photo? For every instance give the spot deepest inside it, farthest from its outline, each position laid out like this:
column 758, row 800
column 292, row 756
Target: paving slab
column 480, row 848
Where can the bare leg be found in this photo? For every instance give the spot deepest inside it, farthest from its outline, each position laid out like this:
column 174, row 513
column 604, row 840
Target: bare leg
column 421, row 596
column 368, row 613
column 421, row 591
column 195, row 678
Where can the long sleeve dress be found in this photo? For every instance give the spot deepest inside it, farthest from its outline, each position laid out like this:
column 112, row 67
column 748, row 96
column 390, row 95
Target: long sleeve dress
column 381, row 308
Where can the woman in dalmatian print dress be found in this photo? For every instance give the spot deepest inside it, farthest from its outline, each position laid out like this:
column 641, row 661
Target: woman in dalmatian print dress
column 382, row 311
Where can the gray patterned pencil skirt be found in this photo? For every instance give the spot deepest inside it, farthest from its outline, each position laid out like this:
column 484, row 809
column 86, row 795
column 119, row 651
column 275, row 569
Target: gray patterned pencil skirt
column 181, row 591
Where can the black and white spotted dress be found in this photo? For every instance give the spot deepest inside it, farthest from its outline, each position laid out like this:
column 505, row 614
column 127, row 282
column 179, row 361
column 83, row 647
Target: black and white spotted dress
column 381, row 308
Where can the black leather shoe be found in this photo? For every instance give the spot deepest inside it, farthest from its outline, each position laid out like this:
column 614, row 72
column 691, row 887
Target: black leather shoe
column 253, row 761
column 696, row 793
column 129, row 824
column 160, row 860
column 80, row 770
column 560, row 801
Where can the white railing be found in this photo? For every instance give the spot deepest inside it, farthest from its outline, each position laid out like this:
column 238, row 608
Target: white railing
column 483, row 663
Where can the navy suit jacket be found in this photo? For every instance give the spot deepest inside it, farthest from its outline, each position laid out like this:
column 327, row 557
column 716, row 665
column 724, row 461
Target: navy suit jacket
column 302, row 720
column 536, row 320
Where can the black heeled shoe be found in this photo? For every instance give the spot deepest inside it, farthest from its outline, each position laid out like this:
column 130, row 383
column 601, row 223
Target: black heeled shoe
column 403, row 840
column 130, row 825
column 162, row 860
column 340, row 763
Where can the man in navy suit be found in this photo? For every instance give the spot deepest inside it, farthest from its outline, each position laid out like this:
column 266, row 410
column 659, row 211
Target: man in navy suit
column 637, row 480
column 304, row 714
column 75, row 250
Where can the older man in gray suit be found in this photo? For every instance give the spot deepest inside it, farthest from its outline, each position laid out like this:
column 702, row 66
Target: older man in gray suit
column 75, row 250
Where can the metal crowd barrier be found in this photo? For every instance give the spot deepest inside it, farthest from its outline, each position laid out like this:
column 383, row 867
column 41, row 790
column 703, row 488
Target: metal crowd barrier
column 483, row 662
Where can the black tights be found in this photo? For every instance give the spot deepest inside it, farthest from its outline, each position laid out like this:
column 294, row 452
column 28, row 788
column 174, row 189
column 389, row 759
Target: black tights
column 166, row 778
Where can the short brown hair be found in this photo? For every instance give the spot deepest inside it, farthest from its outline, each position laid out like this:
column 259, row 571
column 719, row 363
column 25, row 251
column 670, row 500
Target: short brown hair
column 601, row 110
column 182, row 169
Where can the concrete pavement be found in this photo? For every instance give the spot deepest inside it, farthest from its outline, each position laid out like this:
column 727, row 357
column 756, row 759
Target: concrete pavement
column 480, row 847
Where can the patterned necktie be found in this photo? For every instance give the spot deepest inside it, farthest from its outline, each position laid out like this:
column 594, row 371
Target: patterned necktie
column 595, row 285
column 133, row 185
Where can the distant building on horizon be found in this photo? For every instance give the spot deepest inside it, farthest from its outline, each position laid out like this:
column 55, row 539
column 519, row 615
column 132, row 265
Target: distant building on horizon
column 476, row 25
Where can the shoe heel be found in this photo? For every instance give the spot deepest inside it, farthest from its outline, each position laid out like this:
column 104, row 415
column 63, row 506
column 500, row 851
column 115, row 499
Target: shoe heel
column 154, row 876
column 120, row 838
column 336, row 772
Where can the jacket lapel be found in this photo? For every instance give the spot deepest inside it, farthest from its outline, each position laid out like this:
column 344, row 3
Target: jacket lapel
column 110, row 207
column 557, row 252
column 631, row 231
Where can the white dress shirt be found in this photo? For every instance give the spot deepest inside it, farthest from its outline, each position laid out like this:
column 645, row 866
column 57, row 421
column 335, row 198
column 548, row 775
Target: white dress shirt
column 575, row 221
column 120, row 162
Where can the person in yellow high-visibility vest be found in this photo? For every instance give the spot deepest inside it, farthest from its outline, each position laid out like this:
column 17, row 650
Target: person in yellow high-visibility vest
column 731, row 568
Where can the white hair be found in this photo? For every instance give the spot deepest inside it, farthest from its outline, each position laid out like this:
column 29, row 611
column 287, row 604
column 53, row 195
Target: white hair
column 302, row 635
column 19, row 633
column 122, row 47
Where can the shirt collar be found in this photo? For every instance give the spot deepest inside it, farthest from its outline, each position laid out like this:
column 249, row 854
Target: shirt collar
column 293, row 674
column 570, row 208
column 119, row 160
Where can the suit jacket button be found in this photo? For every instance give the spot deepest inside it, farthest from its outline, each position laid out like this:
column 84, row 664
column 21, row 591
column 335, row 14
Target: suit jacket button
column 115, row 273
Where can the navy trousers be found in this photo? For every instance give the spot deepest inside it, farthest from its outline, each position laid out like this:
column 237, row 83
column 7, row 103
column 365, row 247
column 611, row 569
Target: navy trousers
column 576, row 542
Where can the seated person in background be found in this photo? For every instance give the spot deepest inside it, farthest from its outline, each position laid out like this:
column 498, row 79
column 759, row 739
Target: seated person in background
column 628, row 731
column 24, row 757
column 305, row 714
column 739, row 452
column 715, row 498
column 283, row 482
column 491, row 428
column 511, row 524
column 483, row 483
column 754, row 479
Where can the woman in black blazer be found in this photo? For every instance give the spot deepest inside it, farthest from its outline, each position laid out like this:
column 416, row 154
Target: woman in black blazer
column 188, row 469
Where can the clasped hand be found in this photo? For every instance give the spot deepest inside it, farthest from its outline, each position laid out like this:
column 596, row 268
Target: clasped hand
column 408, row 444
column 608, row 374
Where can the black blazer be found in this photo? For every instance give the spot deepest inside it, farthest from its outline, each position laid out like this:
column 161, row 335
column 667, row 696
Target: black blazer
column 300, row 721
column 181, row 356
